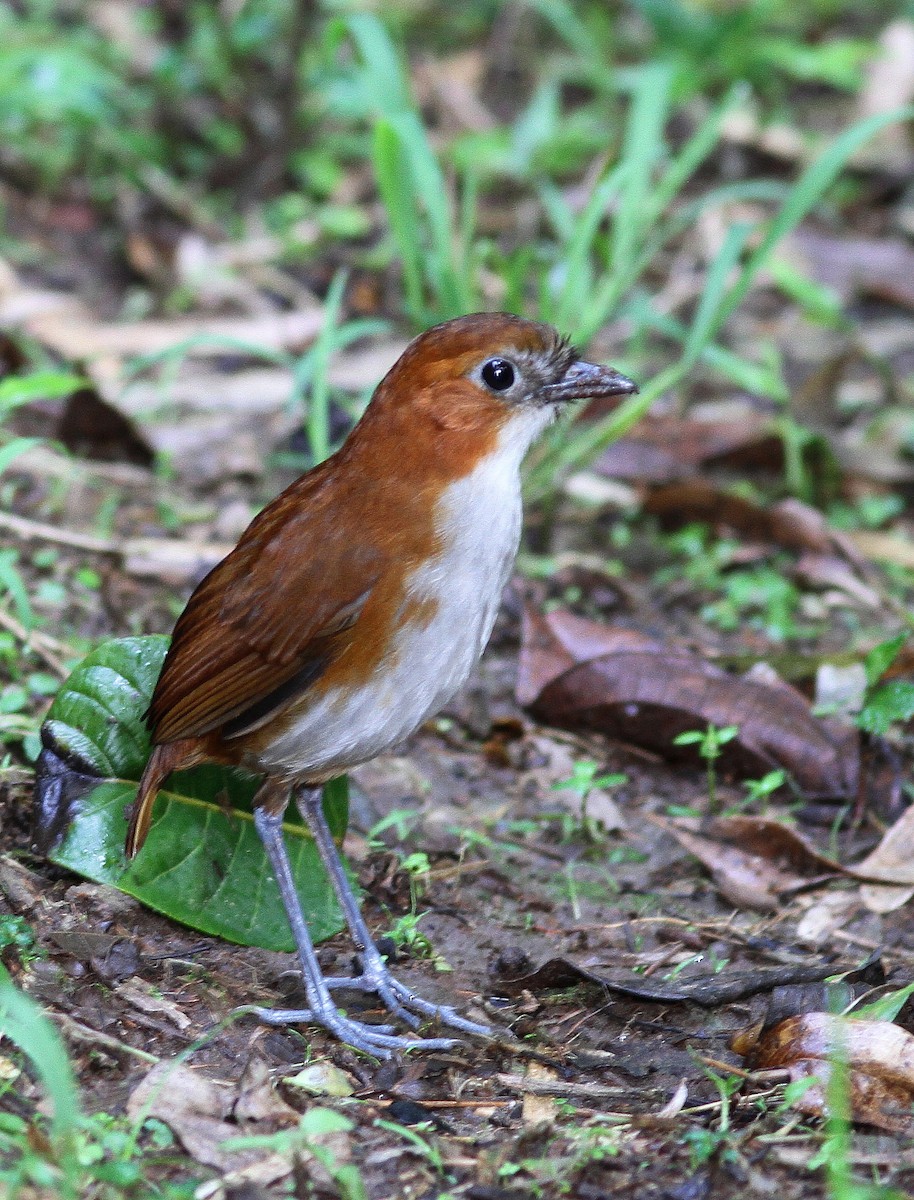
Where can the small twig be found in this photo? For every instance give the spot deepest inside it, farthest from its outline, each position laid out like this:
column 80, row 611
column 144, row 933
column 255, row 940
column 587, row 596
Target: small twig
column 39, row 531
column 869, row 944
column 491, row 1103
column 774, row 1075
column 562, row 1089
column 46, row 647
column 84, row 1033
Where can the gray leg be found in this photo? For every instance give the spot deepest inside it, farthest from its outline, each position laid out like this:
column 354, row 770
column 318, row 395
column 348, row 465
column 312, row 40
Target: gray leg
column 375, row 977
column 372, row 1039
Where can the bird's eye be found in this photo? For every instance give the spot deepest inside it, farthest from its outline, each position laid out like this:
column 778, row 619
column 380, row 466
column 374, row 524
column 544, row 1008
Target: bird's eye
column 498, row 374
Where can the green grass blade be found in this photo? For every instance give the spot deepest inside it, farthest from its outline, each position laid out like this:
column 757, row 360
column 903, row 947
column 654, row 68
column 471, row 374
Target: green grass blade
column 385, row 81
column 318, row 423
column 805, row 194
column 642, row 147
column 23, row 1022
column 707, row 319
column 396, row 193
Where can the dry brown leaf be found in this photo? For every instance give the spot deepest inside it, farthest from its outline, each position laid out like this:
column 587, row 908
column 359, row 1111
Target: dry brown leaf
column 883, row 547
column 195, row 1109
column 765, row 858
column 893, row 859
column 851, row 266
column 878, row 1058
column 663, row 448
column 578, row 673
column 747, row 880
column 258, row 1099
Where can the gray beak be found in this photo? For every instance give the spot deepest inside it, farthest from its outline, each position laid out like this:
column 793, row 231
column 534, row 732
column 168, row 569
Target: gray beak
column 588, row 381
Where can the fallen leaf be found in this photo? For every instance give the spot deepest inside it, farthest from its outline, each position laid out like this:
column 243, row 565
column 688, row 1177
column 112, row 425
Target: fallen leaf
column 258, row 1099
column 578, row 673
column 537, row 1108
column 745, row 879
column 195, row 1109
column 322, row 1079
column 141, row 995
column 851, row 266
column 892, row 859
column 883, row 547
column 889, row 83
column 877, row 1058
column 706, row 990
column 77, row 337
column 675, row 1104
column 663, row 448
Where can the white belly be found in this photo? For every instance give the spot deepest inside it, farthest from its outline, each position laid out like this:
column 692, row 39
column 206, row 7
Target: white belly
column 479, row 522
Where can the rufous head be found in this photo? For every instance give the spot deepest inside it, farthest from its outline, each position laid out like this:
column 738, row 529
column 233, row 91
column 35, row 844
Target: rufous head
column 487, row 370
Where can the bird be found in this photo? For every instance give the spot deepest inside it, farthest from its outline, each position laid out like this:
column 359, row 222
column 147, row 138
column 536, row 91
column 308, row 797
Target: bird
column 354, row 606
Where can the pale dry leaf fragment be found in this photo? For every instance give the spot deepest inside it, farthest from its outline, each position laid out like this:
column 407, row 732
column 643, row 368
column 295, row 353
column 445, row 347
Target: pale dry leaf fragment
column 201, row 336
column 889, row 84
column 172, row 560
column 883, row 547
column 195, row 1109
column 143, row 996
column 676, row 1102
column 322, row 1079
column 826, row 913
column 537, row 1109
column 893, row 860
column 258, row 1099
column 561, row 758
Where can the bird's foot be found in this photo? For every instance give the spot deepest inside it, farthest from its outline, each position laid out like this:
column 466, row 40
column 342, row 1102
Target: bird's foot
column 378, row 1040
column 404, row 1004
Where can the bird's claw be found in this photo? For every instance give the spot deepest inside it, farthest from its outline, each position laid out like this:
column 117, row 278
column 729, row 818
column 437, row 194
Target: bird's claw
column 404, row 1004
column 378, row 1040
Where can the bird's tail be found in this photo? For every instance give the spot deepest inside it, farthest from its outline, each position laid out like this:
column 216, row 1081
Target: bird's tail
column 171, row 756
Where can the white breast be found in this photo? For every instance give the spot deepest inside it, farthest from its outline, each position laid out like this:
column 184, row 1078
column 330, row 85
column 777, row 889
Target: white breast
column 478, row 522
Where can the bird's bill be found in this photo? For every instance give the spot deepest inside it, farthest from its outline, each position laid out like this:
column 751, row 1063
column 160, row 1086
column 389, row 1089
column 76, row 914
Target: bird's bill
column 589, row 381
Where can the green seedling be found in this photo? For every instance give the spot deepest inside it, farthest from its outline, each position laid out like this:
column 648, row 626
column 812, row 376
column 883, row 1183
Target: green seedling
column 710, row 743
column 583, row 780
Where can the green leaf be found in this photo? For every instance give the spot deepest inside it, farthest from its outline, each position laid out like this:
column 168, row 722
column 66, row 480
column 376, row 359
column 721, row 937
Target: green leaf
column 887, row 1007
column 891, row 702
column 202, row 864
column 39, row 385
column 881, row 657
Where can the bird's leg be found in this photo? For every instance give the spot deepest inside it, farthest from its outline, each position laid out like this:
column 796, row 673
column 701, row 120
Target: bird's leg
column 269, row 807
column 376, row 976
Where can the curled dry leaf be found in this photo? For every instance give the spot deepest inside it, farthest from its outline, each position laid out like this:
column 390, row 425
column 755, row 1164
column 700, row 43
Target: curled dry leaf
column 877, row 1057
column 196, row 1109
column 578, row 673
column 755, row 861
column 747, row 878
column 706, row 990
column 791, row 524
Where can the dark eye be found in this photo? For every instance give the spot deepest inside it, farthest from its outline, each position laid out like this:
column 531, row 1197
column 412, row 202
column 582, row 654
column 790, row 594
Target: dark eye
column 498, row 374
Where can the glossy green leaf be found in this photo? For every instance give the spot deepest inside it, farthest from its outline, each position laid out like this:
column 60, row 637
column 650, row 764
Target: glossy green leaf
column 202, row 863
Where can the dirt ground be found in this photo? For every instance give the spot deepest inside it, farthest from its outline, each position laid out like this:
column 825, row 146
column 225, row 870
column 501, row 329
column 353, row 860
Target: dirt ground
column 585, row 1091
